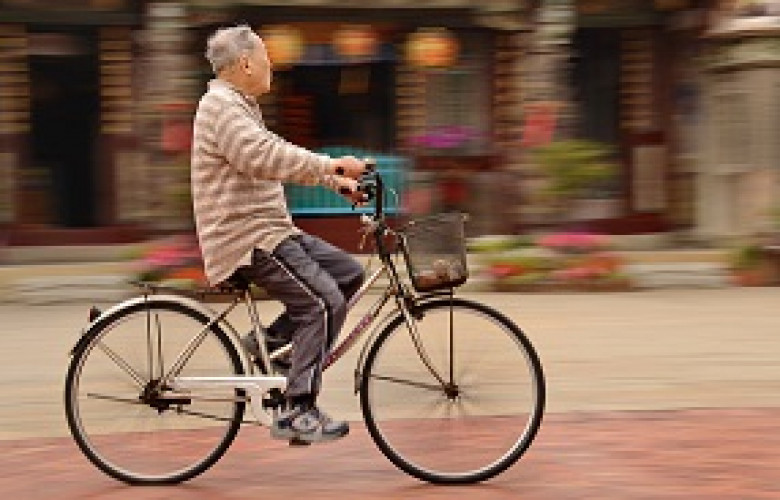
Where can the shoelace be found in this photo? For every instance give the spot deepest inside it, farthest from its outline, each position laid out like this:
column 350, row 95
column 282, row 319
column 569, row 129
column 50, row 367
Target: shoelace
column 321, row 416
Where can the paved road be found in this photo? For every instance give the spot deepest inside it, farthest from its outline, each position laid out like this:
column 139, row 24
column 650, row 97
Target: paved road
column 702, row 365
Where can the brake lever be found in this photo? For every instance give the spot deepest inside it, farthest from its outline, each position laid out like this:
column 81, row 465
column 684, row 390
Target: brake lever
column 368, row 226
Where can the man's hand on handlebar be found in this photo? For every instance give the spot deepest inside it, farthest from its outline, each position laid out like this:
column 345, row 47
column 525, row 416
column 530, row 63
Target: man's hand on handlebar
column 350, row 189
column 348, row 166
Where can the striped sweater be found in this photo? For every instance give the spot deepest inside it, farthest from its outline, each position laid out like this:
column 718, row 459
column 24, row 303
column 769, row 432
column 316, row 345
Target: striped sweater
column 237, row 170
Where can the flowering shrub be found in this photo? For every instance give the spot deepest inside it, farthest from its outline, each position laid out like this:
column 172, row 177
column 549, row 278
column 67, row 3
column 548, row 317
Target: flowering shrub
column 561, row 260
column 574, row 242
column 175, row 260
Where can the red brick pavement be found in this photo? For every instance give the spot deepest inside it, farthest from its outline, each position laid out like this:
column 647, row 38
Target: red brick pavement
column 691, row 455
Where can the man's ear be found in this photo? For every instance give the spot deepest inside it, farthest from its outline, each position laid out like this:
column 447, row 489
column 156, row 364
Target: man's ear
column 244, row 60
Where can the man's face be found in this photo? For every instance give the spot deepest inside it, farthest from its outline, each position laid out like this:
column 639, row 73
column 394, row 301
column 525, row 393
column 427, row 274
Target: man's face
column 258, row 70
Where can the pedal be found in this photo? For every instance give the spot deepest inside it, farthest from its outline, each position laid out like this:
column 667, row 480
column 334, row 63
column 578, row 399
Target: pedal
column 274, row 399
column 296, row 441
column 94, row 313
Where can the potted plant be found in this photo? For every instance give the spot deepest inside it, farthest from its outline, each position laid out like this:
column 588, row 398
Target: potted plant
column 173, row 261
column 557, row 261
column 749, row 266
column 572, row 169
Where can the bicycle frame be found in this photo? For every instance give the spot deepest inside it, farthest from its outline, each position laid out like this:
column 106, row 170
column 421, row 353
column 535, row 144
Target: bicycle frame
column 256, row 386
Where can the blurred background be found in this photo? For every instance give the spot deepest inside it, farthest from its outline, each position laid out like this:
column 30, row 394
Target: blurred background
column 618, row 117
column 597, row 145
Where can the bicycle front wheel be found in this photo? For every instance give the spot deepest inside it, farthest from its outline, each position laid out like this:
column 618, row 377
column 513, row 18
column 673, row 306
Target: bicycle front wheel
column 129, row 423
column 459, row 402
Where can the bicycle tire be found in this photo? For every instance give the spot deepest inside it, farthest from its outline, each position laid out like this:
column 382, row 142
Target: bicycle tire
column 392, row 384
column 130, row 438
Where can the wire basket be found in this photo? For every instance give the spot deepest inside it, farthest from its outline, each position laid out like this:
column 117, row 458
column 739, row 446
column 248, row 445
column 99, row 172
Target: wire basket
column 435, row 251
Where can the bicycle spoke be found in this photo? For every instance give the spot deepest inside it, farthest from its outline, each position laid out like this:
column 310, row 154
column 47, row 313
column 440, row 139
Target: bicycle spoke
column 200, row 414
column 396, row 380
column 159, row 346
column 179, row 411
column 133, row 401
column 451, row 343
column 121, row 363
column 149, row 352
column 411, row 325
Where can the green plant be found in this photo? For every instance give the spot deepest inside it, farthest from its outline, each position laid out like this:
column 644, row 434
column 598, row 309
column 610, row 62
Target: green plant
column 558, row 260
column 572, row 167
column 747, row 256
column 774, row 216
column 497, row 243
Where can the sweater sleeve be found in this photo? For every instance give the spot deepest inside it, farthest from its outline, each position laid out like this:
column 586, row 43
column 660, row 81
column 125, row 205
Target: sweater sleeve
column 251, row 148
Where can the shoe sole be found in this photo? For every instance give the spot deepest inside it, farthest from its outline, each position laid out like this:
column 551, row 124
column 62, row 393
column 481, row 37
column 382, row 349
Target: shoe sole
column 297, row 438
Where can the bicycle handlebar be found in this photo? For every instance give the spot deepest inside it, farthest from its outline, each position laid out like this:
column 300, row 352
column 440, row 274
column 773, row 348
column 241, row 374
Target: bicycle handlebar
column 371, row 185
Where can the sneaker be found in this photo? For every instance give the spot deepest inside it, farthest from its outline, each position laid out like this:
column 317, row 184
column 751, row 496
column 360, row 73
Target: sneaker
column 307, row 425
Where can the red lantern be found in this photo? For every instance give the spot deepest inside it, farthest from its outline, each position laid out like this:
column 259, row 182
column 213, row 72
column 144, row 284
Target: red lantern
column 432, row 48
column 284, row 44
column 355, row 41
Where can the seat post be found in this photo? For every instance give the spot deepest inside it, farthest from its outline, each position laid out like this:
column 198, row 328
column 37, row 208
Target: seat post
column 257, row 329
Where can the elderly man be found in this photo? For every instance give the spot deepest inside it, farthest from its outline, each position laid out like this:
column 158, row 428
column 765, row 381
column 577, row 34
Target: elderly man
column 245, row 228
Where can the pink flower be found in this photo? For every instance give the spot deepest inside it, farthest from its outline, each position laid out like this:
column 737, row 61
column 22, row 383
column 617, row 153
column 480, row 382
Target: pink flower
column 446, row 137
column 504, row 270
column 573, row 241
column 175, row 252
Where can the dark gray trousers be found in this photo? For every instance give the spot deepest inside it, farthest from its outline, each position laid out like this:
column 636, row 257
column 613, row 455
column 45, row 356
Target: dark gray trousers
column 314, row 280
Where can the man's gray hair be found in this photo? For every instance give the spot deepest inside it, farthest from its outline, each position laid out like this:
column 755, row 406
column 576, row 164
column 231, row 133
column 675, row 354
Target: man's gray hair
column 226, row 45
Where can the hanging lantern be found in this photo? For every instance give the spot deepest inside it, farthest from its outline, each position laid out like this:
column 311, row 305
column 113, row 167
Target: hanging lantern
column 355, row 41
column 432, row 48
column 284, row 44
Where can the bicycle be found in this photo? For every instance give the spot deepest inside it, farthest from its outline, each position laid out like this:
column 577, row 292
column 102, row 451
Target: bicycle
column 157, row 385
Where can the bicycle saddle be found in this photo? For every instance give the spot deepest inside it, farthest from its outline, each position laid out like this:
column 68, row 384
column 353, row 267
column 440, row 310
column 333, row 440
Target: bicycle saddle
column 235, row 283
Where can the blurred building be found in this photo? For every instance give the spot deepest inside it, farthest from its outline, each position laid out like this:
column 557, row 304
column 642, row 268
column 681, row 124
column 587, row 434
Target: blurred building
column 66, row 119
column 738, row 165
column 96, row 97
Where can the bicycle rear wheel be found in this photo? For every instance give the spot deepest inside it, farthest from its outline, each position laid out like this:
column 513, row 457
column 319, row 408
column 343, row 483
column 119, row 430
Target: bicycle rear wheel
column 128, row 424
column 479, row 418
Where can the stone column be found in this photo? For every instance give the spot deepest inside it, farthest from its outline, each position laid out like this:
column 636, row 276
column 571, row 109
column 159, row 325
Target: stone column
column 167, row 105
column 508, row 93
column 119, row 153
column 739, row 175
column 410, row 96
column 546, row 90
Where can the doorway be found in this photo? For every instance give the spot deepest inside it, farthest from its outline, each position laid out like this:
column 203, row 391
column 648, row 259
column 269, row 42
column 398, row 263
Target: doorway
column 64, row 114
column 595, row 78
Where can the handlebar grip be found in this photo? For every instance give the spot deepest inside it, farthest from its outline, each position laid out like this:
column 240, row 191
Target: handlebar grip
column 368, row 192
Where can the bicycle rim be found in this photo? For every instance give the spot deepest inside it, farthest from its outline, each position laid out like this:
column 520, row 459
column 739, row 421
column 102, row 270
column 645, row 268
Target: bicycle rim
column 120, row 418
column 475, row 425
